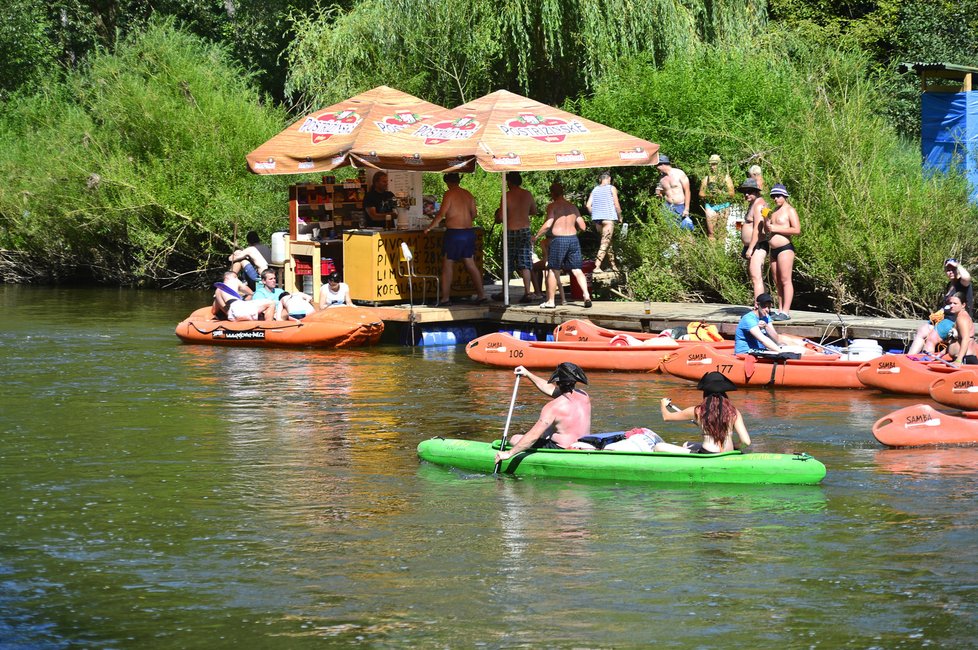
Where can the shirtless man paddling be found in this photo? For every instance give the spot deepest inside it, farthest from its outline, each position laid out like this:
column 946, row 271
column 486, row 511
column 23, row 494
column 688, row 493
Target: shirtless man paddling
column 459, row 212
column 564, row 420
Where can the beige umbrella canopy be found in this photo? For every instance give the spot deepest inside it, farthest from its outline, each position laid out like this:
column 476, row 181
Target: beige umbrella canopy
column 322, row 140
column 504, row 131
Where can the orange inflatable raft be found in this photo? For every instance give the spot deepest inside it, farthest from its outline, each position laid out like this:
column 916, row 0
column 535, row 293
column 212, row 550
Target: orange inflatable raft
column 503, row 350
column 899, row 373
column 810, row 371
column 958, row 389
column 336, row 327
column 921, row 424
column 580, row 330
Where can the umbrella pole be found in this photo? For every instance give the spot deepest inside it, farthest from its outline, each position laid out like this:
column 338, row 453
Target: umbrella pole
column 502, row 176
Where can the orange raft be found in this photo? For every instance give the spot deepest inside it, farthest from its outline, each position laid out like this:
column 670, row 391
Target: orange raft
column 336, row 327
column 810, row 371
column 503, row 350
column 899, row 373
column 580, row 330
column 958, row 389
column 921, row 424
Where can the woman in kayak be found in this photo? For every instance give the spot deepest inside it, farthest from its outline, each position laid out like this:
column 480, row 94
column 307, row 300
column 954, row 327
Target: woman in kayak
column 715, row 415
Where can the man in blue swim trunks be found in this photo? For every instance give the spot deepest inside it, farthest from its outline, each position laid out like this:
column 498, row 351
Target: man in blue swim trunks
column 459, row 212
column 755, row 333
column 673, row 187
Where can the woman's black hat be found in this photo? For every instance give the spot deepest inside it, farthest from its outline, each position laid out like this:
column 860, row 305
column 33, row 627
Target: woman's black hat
column 715, row 382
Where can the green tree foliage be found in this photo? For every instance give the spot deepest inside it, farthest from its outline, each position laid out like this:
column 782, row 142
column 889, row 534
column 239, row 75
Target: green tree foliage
column 28, row 53
column 890, row 32
column 131, row 170
column 37, row 33
column 871, row 240
column 450, row 51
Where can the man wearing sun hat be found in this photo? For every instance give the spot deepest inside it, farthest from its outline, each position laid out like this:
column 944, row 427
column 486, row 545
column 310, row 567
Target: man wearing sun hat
column 755, row 332
column 674, row 188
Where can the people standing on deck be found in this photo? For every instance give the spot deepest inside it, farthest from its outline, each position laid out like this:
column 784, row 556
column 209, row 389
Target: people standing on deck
column 755, row 332
column 520, row 204
column 673, row 187
column 782, row 224
column 458, row 211
column 564, row 420
column 378, row 203
column 716, row 192
column 716, row 416
column 753, row 234
column 563, row 222
column 939, row 326
column 605, row 211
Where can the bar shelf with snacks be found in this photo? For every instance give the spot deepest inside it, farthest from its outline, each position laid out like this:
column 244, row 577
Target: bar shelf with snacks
column 326, row 232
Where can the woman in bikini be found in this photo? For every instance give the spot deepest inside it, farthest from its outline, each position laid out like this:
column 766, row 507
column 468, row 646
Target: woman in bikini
column 716, row 416
column 782, row 224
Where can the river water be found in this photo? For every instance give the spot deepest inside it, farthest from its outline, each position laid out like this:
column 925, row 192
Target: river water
column 154, row 494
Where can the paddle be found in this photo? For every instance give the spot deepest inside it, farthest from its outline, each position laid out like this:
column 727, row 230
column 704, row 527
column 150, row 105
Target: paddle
column 509, row 417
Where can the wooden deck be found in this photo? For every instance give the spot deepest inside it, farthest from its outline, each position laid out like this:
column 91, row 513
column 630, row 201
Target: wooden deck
column 631, row 316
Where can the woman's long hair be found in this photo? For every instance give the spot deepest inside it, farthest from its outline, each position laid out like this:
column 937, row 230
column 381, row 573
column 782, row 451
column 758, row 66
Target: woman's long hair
column 716, row 415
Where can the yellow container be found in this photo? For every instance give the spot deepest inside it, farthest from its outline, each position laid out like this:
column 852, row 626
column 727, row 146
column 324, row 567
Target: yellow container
column 373, row 268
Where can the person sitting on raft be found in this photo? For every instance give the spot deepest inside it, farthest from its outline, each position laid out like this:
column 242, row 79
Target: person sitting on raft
column 956, row 330
column 755, row 332
column 962, row 349
column 563, row 420
column 939, row 327
column 716, row 416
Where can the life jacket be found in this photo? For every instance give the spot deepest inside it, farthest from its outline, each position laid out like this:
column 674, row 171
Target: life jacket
column 700, row 331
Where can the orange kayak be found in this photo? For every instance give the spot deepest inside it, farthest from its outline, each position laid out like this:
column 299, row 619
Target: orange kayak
column 336, row 327
column 899, row 373
column 958, row 389
column 921, row 424
column 811, row 371
column 578, row 330
column 499, row 349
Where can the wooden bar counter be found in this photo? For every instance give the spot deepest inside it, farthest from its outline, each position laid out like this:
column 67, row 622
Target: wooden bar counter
column 375, row 272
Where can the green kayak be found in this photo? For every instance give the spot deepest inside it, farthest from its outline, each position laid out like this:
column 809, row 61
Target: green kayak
column 729, row 467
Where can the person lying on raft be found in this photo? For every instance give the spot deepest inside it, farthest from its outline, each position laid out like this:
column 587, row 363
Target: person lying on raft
column 563, row 420
column 294, row 306
column 715, row 415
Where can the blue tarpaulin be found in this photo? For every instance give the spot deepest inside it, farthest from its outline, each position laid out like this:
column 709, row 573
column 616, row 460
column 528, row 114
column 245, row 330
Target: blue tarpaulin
column 949, row 134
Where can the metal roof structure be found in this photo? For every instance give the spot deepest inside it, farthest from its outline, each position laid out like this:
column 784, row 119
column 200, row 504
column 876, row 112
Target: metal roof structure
column 946, row 75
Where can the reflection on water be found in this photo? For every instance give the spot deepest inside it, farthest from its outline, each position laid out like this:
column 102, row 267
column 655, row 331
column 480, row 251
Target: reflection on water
column 153, row 493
